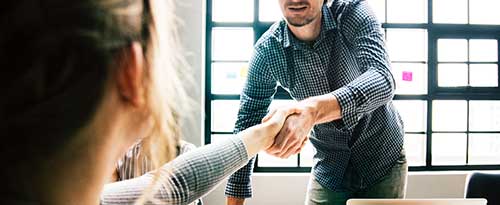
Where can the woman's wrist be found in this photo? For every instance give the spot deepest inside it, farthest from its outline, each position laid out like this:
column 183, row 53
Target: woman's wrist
column 254, row 140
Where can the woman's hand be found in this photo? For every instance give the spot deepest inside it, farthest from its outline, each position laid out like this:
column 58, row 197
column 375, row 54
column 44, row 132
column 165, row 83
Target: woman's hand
column 260, row 137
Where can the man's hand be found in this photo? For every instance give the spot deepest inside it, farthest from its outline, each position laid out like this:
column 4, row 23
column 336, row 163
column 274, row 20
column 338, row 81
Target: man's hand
column 292, row 137
column 294, row 134
column 234, row 201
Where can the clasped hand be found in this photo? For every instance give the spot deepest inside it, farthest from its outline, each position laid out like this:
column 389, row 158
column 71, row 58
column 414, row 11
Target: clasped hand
column 295, row 131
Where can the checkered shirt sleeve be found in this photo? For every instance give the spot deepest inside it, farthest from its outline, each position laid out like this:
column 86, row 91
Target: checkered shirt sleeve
column 375, row 87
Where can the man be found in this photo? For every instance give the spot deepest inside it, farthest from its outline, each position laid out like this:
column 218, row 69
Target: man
column 331, row 58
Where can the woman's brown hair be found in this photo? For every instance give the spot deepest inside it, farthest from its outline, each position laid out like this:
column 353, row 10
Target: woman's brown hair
column 56, row 57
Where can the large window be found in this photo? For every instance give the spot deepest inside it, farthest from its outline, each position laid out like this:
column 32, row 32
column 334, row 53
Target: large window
column 445, row 59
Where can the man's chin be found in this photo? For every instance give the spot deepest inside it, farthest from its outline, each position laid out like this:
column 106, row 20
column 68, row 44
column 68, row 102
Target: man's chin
column 298, row 23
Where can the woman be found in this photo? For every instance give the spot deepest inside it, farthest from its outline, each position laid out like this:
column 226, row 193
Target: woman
column 81, row 81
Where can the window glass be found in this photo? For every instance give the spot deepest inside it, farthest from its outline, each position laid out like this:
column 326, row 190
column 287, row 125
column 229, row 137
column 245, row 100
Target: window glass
column 269, row 11
column 228, row 78
column 484, row 75
column 266, row 160
column 224, row 114
column 306, row 155
column 414, row 114
column 216, row 138
column 411, row 78
column 232, row 11
column 450, row 11
column 484, row 12
column 234, row 44
column 275, row 104
column 407, row 11
column 449, row 149
column 484, row 149
column 378, row 7
column 415, row 149
column 484, row 116
column 407, row 44
column 452, row 75
column 449, row 115
column 452, row 50
column 460, row 128
column 483, row 50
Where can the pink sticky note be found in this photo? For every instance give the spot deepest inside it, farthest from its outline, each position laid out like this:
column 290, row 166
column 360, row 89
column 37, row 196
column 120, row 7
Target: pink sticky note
column 407, row 76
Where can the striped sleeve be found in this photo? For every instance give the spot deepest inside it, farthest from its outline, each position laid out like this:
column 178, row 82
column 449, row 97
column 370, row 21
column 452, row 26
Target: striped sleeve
column 186, row 178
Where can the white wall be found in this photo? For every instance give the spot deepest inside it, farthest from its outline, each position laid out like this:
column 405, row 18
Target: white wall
column 290, row 189
column 192, row 14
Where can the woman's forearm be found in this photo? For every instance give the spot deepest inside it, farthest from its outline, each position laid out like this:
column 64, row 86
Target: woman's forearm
column 185, row 179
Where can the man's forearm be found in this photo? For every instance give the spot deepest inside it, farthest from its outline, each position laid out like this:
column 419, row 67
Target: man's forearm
column 326, row 108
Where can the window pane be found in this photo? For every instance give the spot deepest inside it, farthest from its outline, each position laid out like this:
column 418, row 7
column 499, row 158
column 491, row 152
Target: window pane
column 450, row 11
column 266, row 160
column 228, row 78
column 484, row 12
column 484, row 149
column 449, row 115
column 407, row 11
column 279, row 103
column 452, row 50
column 449, row 149
column 483, row 50
column 224, row 113
column 232, row 44
column 484, row 75
column 306, row 155
column 415, row 149
column 218, row 138
column 269, row 11
column 484, row 116
column 407, row 44
column 414, row 114
column 232, row 11
column 411, row 78
column 452, row 75
column 378, row 7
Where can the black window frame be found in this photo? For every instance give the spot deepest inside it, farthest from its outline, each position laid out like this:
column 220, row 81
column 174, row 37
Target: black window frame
column 434, row 32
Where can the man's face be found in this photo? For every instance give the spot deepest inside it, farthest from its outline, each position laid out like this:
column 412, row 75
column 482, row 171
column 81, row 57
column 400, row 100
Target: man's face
column 300, row 12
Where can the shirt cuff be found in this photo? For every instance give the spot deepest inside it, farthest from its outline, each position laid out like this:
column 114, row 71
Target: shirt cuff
column 345, row 97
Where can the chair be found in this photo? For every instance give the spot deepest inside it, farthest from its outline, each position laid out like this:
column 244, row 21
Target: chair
column 486, row 186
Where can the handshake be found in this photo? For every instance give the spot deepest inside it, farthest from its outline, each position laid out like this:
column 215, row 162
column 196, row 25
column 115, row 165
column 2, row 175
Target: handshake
column 295, row 130
column 291, row 126
column 284, row 131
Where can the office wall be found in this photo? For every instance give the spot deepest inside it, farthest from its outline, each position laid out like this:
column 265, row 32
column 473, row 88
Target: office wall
column 191, row 13
column 290, row 189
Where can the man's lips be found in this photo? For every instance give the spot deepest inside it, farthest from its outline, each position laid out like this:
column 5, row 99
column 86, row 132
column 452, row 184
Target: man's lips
column 297, row 8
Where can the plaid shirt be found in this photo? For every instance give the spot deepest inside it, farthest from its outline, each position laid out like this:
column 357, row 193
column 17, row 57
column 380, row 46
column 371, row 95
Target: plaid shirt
column 348, row 60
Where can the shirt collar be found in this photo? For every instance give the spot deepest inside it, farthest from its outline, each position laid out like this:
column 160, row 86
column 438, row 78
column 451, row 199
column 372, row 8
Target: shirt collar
column 327, row 24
